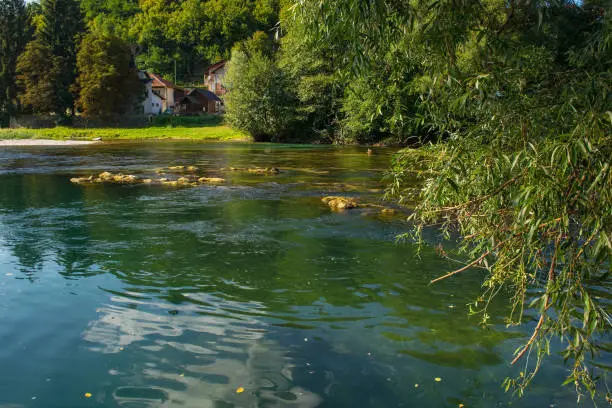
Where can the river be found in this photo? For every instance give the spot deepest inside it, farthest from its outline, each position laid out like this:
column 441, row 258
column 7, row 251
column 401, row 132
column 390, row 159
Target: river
column 251, row 293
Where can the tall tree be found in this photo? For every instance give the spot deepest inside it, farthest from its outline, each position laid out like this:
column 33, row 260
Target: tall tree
column 13, row 35
column 311, row 66
column 57, row 29
column 258, row 100
column 40, row 75
column 108, row 81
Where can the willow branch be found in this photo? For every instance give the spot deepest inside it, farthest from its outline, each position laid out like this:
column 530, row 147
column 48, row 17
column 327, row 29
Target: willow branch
column 547, row 304
column 468, row 266
column 478, row 200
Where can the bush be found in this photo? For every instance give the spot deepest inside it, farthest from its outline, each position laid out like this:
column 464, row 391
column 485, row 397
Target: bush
column 258, row 101
column 187, row 121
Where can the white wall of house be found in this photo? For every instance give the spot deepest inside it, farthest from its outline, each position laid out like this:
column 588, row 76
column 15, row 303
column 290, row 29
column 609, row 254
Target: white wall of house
column 153, row 104
column 168, row 97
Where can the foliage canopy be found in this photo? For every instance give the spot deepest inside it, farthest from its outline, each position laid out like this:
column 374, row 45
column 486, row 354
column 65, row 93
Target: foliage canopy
column 258, row 101
column 40, row 76
column 14, row 33
column 108, row 82
column 517, row 96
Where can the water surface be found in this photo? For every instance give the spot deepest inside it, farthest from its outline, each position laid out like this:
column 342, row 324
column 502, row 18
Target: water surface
column 153, row 296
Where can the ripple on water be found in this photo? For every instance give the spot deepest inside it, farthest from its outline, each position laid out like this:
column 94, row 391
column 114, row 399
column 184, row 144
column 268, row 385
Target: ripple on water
column 248, row 294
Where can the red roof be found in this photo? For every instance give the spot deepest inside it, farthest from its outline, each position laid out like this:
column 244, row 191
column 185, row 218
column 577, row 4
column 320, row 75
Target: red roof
column 159, row 82
column 216, row 66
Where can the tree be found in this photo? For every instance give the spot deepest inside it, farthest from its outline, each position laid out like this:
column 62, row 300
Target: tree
column 40, row 75
column 518, row 96
column 108, row 82
column 57, row 28
column 258, row 100
column 112, row 17
column 319, row 88
column 61, row 23
column 13, row 36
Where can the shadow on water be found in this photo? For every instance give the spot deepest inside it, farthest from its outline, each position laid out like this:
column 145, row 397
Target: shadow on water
column 248, row 294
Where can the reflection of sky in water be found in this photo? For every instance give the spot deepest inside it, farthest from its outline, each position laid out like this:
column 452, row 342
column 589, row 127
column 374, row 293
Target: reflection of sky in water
column 124, row 322
column 213, row 355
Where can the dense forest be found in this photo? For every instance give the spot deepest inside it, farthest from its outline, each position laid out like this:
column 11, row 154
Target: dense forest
column 510, row 102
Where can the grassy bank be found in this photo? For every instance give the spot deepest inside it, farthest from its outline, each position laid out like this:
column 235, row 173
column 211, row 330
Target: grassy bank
column 218, row 132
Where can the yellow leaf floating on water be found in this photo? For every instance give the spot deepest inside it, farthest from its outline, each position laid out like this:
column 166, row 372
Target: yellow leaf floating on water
column 437, row 379
column 239, row 390
column 461, row 406
column 416, row 385
column 88, row 395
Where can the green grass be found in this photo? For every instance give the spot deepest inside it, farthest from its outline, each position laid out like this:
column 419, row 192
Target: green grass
column 219, row 133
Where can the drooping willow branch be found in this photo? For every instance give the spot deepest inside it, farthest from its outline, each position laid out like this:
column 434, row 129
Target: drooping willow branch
column 547, row 304
column 468, row 266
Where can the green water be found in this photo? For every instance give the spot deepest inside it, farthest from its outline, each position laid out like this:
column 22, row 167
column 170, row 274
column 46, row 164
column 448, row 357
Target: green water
column 153, row 296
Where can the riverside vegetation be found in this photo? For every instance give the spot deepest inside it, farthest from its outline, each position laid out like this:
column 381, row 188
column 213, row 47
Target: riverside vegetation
column 508, row 104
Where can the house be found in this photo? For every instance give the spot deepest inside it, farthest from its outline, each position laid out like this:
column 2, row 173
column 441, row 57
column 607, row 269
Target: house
column 166, row 90
column 213, row 78
column 196, row 101
column 152, row 103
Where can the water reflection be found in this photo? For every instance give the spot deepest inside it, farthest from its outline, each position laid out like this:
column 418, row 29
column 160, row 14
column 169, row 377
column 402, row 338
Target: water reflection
column 148, row 296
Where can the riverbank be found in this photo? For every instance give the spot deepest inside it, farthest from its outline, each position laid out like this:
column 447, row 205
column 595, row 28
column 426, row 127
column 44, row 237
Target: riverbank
column 213, row 133
column 44, row 142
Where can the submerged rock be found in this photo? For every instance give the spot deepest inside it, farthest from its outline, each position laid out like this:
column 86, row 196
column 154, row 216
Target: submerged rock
column 189, row 180
column 107, row 177
column 79, row 180
column 261, row 170
column 180, row 182
column 257, row 170
column 340, row 203
column 212, row 180
column 120, row 178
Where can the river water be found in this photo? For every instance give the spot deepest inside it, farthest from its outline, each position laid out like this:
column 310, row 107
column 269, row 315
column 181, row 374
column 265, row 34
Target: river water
column 247, row 294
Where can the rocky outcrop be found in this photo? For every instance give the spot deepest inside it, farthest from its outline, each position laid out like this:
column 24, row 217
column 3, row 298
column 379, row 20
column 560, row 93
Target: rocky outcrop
column 107, row 177
column 111, row 178
column 340, row 203
column 211, row 180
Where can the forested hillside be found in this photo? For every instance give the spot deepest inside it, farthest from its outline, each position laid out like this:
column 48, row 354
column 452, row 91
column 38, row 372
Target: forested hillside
column 191, row 33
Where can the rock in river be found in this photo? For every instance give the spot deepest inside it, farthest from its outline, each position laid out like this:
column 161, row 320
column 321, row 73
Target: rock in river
column 212, row 180
column 107, row 177
column 340, row 203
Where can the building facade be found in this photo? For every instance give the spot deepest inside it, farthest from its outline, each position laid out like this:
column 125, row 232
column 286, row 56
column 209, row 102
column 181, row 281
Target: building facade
column 166, row 90
column 152, row 104
column 214, row 76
